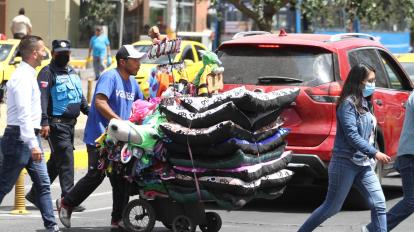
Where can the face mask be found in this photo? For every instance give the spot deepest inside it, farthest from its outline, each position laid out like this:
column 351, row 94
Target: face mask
column 369, row 89
column 61, row 59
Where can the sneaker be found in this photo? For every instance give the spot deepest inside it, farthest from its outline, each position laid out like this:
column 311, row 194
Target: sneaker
column 78, row 208
column 364, row 229
column 64, row 212
column 55, row 228
column 117, row 226
column 30, row 198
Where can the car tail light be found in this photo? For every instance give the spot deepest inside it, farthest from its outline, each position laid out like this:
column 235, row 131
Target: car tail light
column 268, row 46
column 327, row 93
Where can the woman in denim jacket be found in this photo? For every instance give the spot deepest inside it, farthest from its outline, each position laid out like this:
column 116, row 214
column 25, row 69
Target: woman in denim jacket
column 353, row 153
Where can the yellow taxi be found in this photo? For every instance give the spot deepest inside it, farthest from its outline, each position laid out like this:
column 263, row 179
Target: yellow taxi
column 407, row 61
column 189, row 54
column 9, row 59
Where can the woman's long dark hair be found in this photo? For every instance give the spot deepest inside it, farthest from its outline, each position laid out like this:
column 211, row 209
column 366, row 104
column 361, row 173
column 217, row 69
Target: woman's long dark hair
column 353, row 85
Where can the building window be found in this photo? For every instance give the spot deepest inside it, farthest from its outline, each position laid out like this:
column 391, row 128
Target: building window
column 185, row 12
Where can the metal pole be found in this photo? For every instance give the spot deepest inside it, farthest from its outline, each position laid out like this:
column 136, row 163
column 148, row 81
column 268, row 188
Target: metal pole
column 357, row 25
column 298, row 16
column 217, row 26
column 172, row 18
column 50, row 20
column 121, row 25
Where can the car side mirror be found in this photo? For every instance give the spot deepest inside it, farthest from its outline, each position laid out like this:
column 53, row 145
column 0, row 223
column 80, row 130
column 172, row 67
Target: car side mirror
column 16, row 60
column 188, row 63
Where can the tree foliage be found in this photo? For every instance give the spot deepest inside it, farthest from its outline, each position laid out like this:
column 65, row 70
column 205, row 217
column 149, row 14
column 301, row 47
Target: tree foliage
column 371, row 12
column 99, row 12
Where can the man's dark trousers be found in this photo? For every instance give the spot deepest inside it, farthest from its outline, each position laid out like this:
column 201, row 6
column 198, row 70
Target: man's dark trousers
column 61, row 162
column 85, row 186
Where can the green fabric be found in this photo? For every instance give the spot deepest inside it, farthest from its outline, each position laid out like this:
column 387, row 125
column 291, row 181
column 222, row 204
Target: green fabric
column 237, row 160
column 149, row 131
column 209, row 58
column 155, row 187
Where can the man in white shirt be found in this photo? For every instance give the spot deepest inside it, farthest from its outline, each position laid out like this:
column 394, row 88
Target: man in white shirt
column 21, row 25
column 21, row 141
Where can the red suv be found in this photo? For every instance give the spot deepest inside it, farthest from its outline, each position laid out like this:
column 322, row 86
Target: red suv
column 318, row 65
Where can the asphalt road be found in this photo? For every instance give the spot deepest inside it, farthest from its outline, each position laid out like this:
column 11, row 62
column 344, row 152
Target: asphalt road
column 284, row 214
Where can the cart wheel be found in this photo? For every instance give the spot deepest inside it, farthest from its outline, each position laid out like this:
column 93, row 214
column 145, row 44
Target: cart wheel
column 183, row 223
column 167, row 225
column 213, row 222
column 139, row 216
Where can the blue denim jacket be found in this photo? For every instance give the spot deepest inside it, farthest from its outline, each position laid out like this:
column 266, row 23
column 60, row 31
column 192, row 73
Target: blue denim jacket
column 353, row 131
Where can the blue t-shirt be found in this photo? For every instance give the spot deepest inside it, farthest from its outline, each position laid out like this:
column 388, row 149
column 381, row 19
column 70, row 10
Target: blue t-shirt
column 121, row 94
column 98, row 45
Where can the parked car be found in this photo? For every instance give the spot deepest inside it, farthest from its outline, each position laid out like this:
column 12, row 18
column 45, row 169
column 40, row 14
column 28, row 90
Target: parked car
column 318, row 65
column 9, row 59
column 189, row 54
column 407, row 61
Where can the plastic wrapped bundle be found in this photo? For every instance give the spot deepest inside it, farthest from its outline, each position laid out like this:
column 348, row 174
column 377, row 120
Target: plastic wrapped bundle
column 235, row 185
column 245, row 173
column 217, row 133
column 225, row 112
column 228, row 147
column 238, row 159
column 247, row 101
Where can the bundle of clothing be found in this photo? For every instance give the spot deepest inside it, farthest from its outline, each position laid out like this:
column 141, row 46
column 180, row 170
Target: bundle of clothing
column 229, row 148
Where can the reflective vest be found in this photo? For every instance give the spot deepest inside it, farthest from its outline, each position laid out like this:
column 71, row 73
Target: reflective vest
column 67, row 90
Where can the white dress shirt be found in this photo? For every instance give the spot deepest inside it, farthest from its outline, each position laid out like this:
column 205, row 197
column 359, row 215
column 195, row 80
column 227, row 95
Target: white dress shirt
column 20, row 24
column 23, row 103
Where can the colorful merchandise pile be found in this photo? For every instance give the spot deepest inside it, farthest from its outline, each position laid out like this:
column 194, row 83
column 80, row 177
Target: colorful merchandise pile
column 134, row 149
column 229, row 148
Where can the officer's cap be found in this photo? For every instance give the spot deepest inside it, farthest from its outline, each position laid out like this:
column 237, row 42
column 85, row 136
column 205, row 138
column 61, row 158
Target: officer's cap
column 60, row 45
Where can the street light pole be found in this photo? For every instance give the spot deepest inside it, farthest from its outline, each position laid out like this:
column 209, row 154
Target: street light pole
column 172, row 18
column 50, row 20
column 121, row 25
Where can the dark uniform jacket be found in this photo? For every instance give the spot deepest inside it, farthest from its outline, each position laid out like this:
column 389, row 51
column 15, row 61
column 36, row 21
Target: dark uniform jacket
column 61, row 93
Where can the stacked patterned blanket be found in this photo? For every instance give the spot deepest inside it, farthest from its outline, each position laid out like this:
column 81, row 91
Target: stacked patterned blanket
column 229, row 148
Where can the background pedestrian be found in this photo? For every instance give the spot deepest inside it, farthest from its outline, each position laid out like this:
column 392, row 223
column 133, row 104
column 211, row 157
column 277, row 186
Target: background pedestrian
column 99, row 47
column 21, row 25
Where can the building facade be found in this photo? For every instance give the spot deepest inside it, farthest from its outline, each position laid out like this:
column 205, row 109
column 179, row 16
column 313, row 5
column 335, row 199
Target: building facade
column 51, row 19
column 59, row 19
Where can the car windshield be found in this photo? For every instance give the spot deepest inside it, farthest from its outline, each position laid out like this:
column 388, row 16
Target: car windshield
column 5, row 51
column 270, row 65
column 160, row 60
column 409, row 67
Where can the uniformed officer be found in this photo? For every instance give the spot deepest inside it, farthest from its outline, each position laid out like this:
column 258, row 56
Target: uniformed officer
column 62, row 100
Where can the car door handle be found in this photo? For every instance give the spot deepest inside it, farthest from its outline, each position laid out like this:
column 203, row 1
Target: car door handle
column 378, row 102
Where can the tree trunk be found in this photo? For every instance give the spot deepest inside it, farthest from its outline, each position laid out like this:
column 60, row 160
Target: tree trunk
column 265, row 24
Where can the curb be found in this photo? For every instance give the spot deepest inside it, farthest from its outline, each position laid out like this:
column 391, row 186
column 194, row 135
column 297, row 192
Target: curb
column 80, row 158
